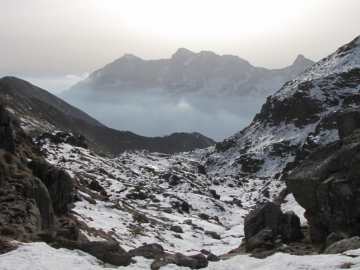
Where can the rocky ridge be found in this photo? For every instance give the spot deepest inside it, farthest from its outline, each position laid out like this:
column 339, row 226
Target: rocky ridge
column 294, row 121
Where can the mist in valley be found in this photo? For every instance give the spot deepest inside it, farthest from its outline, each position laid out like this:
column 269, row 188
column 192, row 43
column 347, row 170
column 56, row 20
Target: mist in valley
column 155, row 115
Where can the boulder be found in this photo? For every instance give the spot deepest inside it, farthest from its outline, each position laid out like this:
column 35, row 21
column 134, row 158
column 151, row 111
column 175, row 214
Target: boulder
column 335, row 237
column 149, row 251
column 202, row 261
column 263, row 239
column 344, row 245
column 108, row 252
column 176, row 228
column 140, row 217
column 214, row 235
column 290, row 229
column 177, row 258
column 212, row 257
column 268, row 215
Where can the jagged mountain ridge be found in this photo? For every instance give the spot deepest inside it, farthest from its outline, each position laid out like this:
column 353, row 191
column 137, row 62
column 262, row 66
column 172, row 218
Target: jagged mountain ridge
column 295, row 120
column 204, row 74
column 38, row 111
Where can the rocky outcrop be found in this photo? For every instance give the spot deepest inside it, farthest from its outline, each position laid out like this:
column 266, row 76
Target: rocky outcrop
column 33, row 188
column 59, row 184
column 6, row 134
column 295, row 120
column 327, row 184
column 266, row 224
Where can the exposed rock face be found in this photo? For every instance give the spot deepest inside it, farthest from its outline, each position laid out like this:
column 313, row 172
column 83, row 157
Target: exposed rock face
column 59, row 184
column 6, row 135
column 266, row 223
column 327, row 183
column 33, row 188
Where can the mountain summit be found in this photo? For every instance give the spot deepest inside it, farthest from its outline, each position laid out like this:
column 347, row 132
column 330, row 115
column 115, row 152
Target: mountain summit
column 203, row 73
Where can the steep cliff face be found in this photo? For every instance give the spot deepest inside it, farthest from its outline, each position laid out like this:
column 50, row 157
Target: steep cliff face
column 296, row 119
column 327, row 183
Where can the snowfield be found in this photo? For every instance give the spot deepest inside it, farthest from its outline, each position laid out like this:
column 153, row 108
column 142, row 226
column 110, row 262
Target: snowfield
column 39, row 256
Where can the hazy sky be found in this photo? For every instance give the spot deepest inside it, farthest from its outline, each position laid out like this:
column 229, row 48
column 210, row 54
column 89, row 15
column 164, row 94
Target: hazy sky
column 69, row 35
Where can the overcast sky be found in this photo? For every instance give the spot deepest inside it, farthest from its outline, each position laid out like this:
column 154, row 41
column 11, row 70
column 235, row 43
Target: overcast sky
column 69, row 35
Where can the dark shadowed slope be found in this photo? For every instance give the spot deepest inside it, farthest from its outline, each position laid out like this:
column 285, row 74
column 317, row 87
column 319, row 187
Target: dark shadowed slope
column 39, row 111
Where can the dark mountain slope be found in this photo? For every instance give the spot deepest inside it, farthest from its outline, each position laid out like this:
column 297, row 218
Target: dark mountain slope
column 38, row 111
column 24, row 92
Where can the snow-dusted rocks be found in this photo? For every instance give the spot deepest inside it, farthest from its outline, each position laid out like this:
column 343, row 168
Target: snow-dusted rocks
column 296, row 119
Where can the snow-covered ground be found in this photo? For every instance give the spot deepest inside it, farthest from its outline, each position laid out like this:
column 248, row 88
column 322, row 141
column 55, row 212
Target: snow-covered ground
column 39, row 256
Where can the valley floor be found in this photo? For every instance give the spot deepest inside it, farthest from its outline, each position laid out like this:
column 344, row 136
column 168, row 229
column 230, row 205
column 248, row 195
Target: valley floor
column 40, row 256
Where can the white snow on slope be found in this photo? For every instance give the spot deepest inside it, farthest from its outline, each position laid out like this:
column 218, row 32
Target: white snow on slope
column 39, row 256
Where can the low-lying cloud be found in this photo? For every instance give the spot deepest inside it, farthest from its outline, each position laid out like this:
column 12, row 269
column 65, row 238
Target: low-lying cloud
column 150, row 115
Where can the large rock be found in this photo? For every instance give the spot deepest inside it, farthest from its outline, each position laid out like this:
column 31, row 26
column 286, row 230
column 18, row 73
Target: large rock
column 59, row 184
column 177, row 258
column 290, row 230
column 327, row 184
column 108, row 252
column 149, row 251
column 266, row 223
column 344, row 245
column 268, row 215
column 263, row 239
column 33, row 188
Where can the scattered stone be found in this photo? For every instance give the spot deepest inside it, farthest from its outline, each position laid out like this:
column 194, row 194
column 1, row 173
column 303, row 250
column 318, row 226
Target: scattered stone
column 346, row 265
column 204, row 216
column 140, row 217
column 202, row 261
column 214, row 194
column 213, row 234
column 187, row 221
column 212, row 257
column 176, row 228
column 149, row 251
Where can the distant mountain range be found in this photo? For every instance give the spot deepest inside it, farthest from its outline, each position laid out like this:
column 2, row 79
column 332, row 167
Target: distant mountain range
column 38, row 111
column 218, row 95
column 188, row 73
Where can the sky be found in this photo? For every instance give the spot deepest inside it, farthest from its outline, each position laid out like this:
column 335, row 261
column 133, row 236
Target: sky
column 83, row 35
